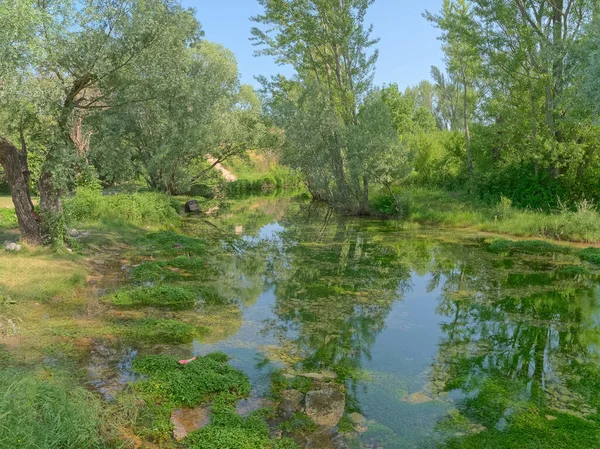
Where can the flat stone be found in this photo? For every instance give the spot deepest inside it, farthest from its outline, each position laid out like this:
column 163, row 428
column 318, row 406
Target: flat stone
column 186, row 420
column 417, row 398
column 246, row 406
column 320, row 376
column 358, row 419
column 326, row 406
column 290, row 402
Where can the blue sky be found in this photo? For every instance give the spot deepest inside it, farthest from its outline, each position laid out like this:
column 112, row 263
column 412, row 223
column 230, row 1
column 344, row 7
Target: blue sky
column 408, row 46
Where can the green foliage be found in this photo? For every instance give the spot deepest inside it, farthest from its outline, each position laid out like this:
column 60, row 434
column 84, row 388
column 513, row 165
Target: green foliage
column 42, row 411
column 162, row 296
column 189, row 385
column 139, row 209
column 150, row 330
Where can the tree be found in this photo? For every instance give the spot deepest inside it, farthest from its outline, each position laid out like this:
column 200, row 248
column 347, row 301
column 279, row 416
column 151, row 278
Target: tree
column 329, row 47
column 460, row 35
column 78, row 54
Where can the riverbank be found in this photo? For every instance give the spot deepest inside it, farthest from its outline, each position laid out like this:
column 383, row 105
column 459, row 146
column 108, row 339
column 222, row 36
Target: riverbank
column 426, row 207
column 305, row 304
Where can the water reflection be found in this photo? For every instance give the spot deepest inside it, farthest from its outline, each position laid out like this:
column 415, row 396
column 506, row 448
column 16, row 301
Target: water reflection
column 440, row 341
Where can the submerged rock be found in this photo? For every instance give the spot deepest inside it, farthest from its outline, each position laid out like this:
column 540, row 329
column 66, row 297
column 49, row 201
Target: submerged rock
column 246, row 406
column 290, row 402
column 320, row 376
column 186, row 420
column 326, row 406
column 418, row 398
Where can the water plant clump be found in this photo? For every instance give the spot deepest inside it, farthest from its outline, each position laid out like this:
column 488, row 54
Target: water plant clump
column 167, row 269
column 540, row 247
column 162, row 296
column 151, row 330
column 229, row 430
column 192, row 384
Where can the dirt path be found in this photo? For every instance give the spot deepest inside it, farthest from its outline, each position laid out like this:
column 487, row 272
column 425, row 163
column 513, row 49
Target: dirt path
column 227, row 175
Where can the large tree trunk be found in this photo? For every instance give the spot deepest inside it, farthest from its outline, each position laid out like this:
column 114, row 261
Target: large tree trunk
column 53, row 229
column 16, row 176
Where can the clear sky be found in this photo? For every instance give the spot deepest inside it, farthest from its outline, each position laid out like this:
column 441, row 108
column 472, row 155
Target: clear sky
column 408, row 46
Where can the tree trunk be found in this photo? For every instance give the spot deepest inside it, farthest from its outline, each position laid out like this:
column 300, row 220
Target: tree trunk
column 53, row 228
column 10, row 159
column 365, row 200
column 467, row 133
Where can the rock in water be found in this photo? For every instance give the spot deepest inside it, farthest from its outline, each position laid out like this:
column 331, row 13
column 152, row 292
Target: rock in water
column 325, row 407
column 186, row 420
column 290, row 402
column 12, row 247
column 246, row 406
column 192, row 206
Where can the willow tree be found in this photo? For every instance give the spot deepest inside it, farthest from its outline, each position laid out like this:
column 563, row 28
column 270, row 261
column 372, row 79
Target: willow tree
column 76, row 54
column 329, row 46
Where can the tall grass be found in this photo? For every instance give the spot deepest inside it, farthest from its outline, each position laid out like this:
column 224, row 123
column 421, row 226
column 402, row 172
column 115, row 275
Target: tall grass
column 42, row 412
column 440, row 208
column 143, row 208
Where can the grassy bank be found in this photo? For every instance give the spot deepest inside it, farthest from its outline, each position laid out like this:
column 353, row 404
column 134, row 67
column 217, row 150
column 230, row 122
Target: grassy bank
column 424, row 207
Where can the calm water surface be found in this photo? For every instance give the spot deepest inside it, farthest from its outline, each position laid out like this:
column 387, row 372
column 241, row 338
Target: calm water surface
column 439, row 340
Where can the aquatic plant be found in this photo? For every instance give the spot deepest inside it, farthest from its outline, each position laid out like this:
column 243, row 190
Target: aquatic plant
column 150, row 330
column 164, row 296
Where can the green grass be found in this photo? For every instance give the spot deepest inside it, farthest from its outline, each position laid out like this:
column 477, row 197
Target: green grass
column 41, row 410
column 89, row 205
column 154, row 331
column 459, row 210
column 170, row 243
column 163, row 296
column 8, row 219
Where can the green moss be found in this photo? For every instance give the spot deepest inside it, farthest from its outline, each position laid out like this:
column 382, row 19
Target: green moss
column 164, row 296
column 160, row 331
